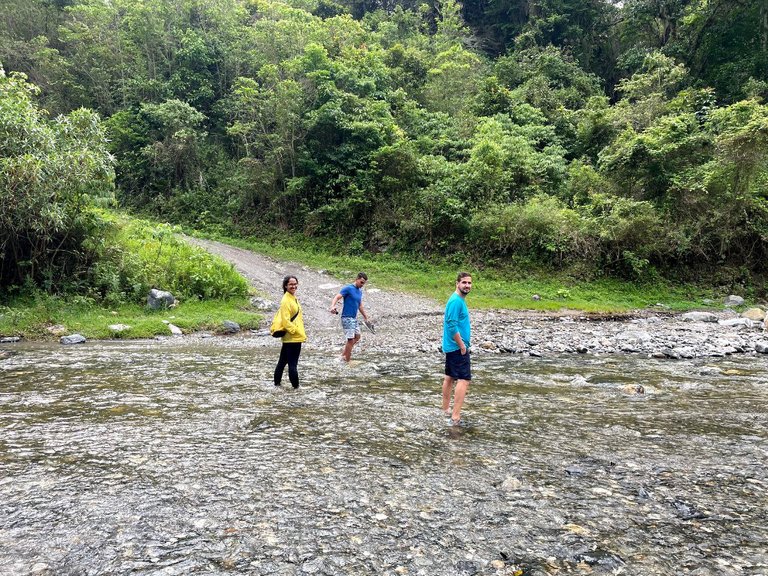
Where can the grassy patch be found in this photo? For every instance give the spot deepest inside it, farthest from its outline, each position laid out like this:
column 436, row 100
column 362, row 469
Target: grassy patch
column 32, row 317
column 497, row 288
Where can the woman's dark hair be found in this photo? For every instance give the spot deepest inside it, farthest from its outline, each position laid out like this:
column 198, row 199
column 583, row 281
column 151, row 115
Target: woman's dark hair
column 286, row 280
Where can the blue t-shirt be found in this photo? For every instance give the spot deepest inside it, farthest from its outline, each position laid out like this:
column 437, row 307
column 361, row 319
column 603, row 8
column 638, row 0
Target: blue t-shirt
column 456, row 320
column 352, row 298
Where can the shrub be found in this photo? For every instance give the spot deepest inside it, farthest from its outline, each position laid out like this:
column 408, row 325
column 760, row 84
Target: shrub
column 540, row 227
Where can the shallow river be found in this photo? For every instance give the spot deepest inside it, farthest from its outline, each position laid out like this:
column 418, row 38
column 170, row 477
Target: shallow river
column 180, row 457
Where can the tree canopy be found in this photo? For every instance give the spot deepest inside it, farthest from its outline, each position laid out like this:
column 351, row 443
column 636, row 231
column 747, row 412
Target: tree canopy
column 621, row 138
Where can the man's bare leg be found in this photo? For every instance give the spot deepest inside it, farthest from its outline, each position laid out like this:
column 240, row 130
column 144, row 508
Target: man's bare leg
column 447, row 389
column 458, row 398
column 346, row 354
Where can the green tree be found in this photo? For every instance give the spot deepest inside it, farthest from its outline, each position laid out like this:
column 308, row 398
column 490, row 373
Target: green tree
column 51, row 173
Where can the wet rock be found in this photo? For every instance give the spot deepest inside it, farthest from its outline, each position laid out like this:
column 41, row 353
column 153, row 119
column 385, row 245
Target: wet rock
column 634, row 389
column 733, row 300
column 699, row 317
column 72, row 339
column 687, row 511
column 574, row 470
column 684, row 352
column 158, row 299
column 9, row 339
column 511, row 484
column 761, row 347
column 231, row 327
column 312, row 566
column 467, row 567
column 599, row 557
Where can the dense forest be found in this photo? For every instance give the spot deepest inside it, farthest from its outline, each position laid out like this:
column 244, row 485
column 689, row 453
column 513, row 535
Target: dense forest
column 603, row 137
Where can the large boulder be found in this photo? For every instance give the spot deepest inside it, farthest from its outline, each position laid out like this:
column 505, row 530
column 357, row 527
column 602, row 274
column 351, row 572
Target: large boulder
column 734, row 300
column 159, row 299
column 699, row 317
column 756, row 314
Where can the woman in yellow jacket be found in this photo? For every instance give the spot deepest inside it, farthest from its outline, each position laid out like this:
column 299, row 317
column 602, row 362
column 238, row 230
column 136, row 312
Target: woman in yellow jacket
column 290, row 320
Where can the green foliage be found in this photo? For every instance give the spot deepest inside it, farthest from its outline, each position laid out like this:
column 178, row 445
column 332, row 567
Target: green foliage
column 540, row 228
column 609, row 136
column 138, row 255
column 30, row 317
column 51, row 173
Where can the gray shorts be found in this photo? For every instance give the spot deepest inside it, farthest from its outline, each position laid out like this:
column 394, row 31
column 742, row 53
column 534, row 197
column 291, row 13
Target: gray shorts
column 351, row 327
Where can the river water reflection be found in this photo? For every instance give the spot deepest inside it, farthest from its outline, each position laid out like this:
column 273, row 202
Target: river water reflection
column 180, row 457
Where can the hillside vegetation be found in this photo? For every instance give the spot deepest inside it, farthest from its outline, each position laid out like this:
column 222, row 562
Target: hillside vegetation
column 596, row 138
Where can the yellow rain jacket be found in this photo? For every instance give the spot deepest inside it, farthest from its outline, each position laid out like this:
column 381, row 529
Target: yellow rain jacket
column 289, row 306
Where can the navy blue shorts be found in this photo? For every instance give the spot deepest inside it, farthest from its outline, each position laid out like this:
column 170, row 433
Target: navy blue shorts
column 457, row 365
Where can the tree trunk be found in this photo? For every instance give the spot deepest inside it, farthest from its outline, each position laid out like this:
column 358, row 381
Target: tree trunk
column 764, row 25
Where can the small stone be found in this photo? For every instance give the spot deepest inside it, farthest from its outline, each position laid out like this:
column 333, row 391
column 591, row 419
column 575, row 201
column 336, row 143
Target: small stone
column 72, row 339
column 9, row 339
column 231, row 327
column 119, row 327
column 511, row 484
column 175, row 330
column 761, row 347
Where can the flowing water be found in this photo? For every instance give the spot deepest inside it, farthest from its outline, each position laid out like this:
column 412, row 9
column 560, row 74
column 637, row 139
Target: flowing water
column 181, row 457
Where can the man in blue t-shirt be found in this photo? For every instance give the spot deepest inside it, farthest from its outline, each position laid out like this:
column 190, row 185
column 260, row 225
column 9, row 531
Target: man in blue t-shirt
column 456, row 342
column 353, row 302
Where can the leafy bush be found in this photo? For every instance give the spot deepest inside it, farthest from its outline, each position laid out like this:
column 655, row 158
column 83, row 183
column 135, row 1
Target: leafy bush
column 139, row 255
column 540, row 227
column 51, row 172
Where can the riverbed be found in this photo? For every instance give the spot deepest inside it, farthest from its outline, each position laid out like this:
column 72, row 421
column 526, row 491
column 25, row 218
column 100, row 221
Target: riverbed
column 181, row 457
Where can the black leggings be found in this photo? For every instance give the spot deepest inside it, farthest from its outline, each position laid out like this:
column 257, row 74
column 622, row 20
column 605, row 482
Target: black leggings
column 289, row 354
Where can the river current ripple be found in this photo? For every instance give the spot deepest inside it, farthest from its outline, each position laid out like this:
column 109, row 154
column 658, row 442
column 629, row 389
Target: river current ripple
column 180, row 457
